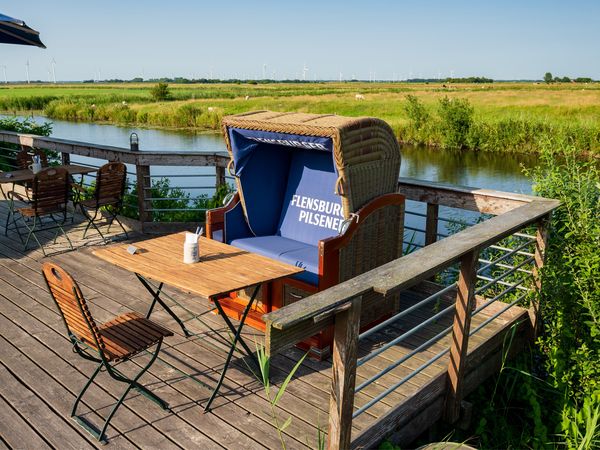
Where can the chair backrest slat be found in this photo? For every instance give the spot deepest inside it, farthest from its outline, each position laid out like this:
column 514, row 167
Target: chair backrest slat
column 72, row 306
column 50, row 191
column 110, row 184
column 25, row 157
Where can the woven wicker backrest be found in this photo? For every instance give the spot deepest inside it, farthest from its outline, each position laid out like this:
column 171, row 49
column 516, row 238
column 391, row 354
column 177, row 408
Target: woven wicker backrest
column 50, row 191
column 25, row 157
column 110, row 184
column 71, row 304
column 365, row 150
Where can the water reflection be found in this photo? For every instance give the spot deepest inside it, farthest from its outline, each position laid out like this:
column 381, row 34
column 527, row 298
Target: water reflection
column 467, row 168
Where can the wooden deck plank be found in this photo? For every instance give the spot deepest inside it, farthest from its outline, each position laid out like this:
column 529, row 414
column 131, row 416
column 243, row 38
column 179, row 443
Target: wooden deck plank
column 58, row 432
column 144, row 406
column 241, row 416
column 15, row 431
column 219, row 360
column 65, row 381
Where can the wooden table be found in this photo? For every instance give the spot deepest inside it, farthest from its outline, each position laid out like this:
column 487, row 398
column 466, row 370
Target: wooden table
column 222, row 269
column 26, row 176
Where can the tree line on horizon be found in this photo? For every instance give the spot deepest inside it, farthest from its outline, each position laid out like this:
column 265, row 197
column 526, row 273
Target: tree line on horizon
column 548, row 78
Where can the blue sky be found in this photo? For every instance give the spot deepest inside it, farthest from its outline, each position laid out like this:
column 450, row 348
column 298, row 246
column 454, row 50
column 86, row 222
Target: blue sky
column 390, row 39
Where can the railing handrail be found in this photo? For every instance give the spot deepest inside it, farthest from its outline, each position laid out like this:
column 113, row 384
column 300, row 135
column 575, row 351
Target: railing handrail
column 405, row 272
column 148, row 158
column 463, row 197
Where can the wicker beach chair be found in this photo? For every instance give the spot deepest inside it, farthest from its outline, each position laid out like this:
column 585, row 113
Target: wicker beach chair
column 315, row 191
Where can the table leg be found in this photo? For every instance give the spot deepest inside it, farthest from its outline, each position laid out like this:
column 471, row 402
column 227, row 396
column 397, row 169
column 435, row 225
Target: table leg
column 237, row 337
column 231, row 326
column 76, row 195
column 11, row 208
column 157, row 299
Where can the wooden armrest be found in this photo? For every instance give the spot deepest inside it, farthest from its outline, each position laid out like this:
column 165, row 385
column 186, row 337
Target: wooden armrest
column 217, row 215
column 337, row 242
column 16, row 196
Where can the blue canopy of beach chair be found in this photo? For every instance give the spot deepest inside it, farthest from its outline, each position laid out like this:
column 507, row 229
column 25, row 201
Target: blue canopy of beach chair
column 15, row 31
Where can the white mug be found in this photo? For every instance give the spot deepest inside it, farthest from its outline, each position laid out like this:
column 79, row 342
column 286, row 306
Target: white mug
column 35, row 167
column 190, row 249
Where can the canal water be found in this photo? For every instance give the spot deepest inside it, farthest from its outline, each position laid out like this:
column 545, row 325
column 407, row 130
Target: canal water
column 500, row 171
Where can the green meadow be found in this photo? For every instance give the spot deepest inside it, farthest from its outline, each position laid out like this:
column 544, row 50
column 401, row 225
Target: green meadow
column 517, row 117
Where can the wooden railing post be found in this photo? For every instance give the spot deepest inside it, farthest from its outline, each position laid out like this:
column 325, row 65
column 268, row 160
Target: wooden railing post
column 219, row 176
column 431, row 223
column 541, row 240
column 465, row 300
column 65, row 158
column 345, row 351
column 143, row 183
column 142, row 174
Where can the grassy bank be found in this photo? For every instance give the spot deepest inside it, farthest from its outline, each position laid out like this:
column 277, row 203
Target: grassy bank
column 504, row 116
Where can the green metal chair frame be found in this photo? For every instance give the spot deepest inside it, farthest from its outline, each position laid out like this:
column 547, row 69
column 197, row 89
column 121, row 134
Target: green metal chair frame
column 108, row 194
column 50, row 192
column 101, row 344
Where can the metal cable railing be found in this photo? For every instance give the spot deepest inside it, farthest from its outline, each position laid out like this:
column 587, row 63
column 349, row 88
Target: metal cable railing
column 505, row 261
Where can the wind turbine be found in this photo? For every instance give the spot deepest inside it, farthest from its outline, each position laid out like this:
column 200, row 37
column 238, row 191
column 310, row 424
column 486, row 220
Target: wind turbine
column 304, row 70
column 264, row 71
column 4, row 70
column 341, row 76
column 27, row 71
column 53, row 71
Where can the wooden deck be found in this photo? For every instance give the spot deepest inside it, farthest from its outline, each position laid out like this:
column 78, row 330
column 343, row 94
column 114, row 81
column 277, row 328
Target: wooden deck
column 40, row 375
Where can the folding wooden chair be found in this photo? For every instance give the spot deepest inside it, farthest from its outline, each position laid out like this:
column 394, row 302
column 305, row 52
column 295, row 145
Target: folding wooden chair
column 24, row 158
column 108, row 195
column 50, row 191
column 107, row 345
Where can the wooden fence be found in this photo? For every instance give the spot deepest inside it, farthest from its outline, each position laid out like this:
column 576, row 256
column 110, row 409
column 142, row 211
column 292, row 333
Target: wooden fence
column 509, row 216
column 140, row 177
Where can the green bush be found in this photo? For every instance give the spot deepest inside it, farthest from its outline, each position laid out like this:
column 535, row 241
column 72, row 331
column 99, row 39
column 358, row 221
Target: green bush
column 160, row 92
column 416, row 112
column 187, row 115
column 28, row 126
column 456, row 118
column 570, row 303
column 28, row 103
column 177, row 204
column 549, row 396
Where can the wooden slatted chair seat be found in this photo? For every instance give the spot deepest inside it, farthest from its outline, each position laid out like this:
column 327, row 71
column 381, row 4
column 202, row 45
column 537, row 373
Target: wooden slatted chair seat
column 31, row 212
column 91, row 203
column 129, row 334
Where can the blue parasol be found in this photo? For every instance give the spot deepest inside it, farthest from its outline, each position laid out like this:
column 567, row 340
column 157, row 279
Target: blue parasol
column 14, row 31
